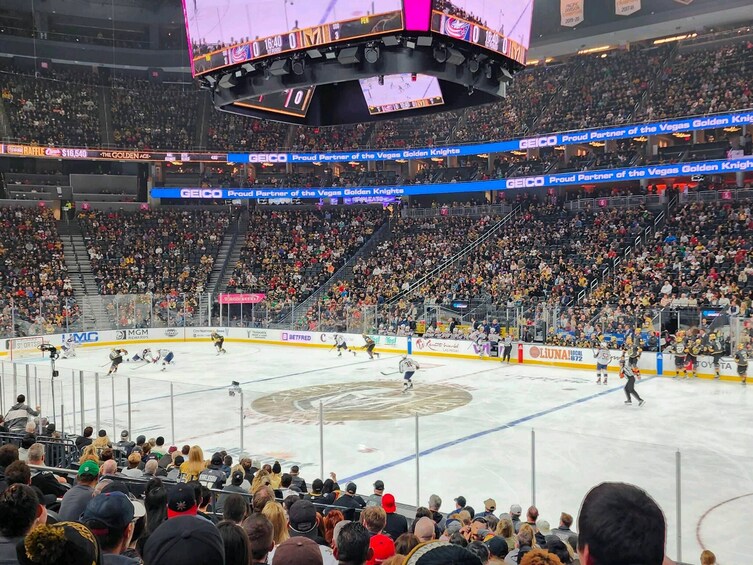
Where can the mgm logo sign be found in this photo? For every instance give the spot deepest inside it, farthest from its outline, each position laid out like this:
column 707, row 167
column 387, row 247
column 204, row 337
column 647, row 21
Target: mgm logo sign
column 370, row 400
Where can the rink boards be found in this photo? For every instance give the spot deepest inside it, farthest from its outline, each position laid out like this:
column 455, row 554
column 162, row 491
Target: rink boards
column 535, row 354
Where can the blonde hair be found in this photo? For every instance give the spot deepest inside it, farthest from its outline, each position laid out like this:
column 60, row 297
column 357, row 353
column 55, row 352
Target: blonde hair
column 708, row 557
column 505, row 528
column 261, row 479
column 195, row 464
column 89, row 454
column 276, row 515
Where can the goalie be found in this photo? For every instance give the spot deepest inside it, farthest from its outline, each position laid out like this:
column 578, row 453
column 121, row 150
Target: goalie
column 69, row 348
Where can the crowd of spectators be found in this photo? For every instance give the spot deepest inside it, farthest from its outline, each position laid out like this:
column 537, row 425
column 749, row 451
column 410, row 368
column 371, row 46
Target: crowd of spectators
column 723, row 83
column 144, row 502
column 601, row 90
column 339, row 138
column 157, row 251
column 228, row 132
column 60, row 110
column 288, row 254
column 36, row 296
column 148, row 115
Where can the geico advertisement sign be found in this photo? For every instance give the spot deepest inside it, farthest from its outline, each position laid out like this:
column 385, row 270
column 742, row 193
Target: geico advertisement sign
column 525, row 182
column 547, row 141
column 200, row 193
column 268, row 158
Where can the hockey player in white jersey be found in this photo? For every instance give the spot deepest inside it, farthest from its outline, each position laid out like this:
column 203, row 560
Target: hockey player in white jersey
column 408, row 367
column 69, row 348
column 166, row 356
column 603, row 358
column 340, row 344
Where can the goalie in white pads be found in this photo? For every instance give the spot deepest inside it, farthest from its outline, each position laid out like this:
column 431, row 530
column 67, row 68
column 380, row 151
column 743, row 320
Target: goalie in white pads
column 340, row 344
column 69, row 348
column 408, row 368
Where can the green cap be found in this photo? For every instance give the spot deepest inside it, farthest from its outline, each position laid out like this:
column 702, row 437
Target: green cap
column 88, row 468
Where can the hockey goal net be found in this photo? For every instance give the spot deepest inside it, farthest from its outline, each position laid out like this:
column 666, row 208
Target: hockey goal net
column 24, row 347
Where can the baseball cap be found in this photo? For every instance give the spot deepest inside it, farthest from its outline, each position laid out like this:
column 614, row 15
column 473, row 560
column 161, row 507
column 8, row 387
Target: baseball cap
column 298, row 551
column 350, row 488
column 124, row 434
column 461, row 501
column 172, row 449
column 217, row 459
column 88, row 468
column 185, row 539
column 388, row 503
column 181, row 501
column 454, row 526
column 544, row 527
column 379, row 485
column 516, row 510
column 140, row 440
column 302, row 516
column 237, row 478
column 317, row 485
column 71, row 541
column 490, row 504
column 108, row 512
column 497, row 546
column 383, row 547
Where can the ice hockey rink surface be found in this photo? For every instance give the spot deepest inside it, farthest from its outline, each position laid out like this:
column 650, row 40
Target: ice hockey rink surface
column 477, row 424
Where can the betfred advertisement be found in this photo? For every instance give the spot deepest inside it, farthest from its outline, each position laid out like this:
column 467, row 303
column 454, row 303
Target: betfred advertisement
column 296, row 336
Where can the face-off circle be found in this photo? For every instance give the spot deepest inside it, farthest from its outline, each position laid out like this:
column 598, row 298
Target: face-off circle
column 370, row 400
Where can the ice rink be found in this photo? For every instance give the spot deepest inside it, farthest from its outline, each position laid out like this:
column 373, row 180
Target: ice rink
column 478, row 423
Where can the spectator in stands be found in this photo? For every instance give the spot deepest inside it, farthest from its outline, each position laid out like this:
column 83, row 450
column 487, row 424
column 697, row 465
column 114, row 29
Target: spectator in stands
column 62, row 543
column 490, row 506
column 20, row 511
column 235, row 509
column 19, row 414
column 354, row 545
column 275, row 514
column 559, row 548
column 621, row 524
column 261, row 538
column 298, row 551
column 331, row 520
column 350, row 501
column 375, row 499
column 298, row 482
column 192, row 468
column 8, row 454
column 425, row 529
column 396, row 524
column 76, row 499
column 45, row 481
column 524, row 543
column 125, row 444
column 3, row 427
column 134, row 460
column 110, row 517
column 563, row 531
column 85, row 439
column 236, row 543
column 302, row 522
column 185, row 539
column 708, row 557
column 540, row 557
column 18, row 472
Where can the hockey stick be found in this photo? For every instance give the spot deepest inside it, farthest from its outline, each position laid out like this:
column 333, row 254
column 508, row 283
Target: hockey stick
column 385, row 373
column 144, row 364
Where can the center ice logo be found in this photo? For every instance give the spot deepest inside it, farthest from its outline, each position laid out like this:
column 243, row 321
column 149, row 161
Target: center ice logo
column 371, row 400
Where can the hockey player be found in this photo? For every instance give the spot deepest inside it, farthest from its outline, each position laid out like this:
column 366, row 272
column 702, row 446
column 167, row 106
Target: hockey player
column 408, row 368
column 218, row 341
column 691, row 360
column 340, row 345
column 716, row 350
column 603, row 357
column 677, row 349
column 145, row 355
column 482, row 345
column 116, row 356
column 630, row 373
column 633, row 352
column 69, row 348
column 741, row 358
column 369, row 347
column 165, row 355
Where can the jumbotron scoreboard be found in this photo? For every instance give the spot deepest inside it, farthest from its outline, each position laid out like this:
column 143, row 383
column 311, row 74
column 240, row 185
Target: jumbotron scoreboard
column 327, row 62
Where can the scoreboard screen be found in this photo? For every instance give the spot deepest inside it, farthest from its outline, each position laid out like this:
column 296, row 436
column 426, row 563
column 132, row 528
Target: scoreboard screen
column 397, row 93
column 291, row 101
column 502, row 27
column 222, row 33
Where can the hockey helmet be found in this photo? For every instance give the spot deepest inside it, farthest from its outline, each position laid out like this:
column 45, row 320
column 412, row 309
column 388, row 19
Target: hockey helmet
column 712, row 336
